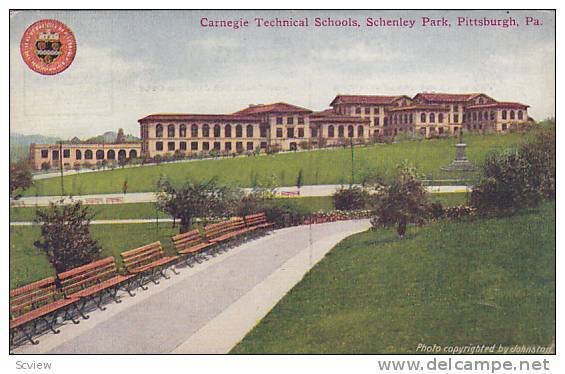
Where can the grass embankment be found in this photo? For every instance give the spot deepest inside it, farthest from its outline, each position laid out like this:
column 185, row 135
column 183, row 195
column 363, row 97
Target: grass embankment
column 489, row 281
column 330, row 166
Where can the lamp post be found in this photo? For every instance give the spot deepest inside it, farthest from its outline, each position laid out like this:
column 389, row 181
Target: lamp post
column 61, row 167
column 352, row 163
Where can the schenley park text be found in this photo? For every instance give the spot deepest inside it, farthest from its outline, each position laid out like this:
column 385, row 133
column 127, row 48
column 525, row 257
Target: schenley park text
column 371, row 22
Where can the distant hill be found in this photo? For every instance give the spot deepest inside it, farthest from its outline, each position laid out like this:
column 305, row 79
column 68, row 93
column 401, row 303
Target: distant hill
column 19, row 144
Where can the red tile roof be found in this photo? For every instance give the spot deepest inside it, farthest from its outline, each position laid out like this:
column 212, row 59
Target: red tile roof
column 272, row 108
column 330, row 116
column 366, row 99
column 500, row 104
column 445, row 97
column 419, row 107
column 198, row 117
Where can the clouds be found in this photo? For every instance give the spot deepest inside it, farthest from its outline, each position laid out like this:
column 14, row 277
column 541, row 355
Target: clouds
column 130, row 65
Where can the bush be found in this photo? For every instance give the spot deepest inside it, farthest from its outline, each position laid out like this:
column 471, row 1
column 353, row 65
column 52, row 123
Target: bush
column 285, row 214
column 436, row 211
column 458, row 212
column 352, row 198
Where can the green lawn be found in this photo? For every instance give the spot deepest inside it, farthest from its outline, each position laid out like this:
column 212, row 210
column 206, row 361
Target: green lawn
column 330, row 166
column 489, row 281
column 28, row 263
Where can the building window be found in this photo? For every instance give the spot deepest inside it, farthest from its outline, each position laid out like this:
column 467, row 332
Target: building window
column 503, row 114
column 263, row 131
column 456, row 118
column 249, row 146
column 492, row 115
column 194, row 130
column 217, row 146
column 227, row 131
column 350, row 131
column 290, row 132
column 205, row 131
column 227, row 146
column 238, row 131
column 485, row 116
column 171, row 131
column 182, row 146
column 194, row 146
column 367, row 110
column 432, row 117
column 331, row 133
column 504, row 127
column 377, row 121
column 100, row 154
column 520, row 114
column 290, row 120
column 159, row 131
column 313, row 132
column 205, row 146
column 440, row 118
column 474, row 116
column 171, row 146
column 279, row 132
column 239, row 146
column 480, row 116
column 44, row 153
column 279, row 120
column 88, row 154
column 358, row 110
column 159, row 146
column 66, row 153
column 385, row 121
column 111, row 154
column 217, row 131
column 512, row 114
column 423, row 117
column 340, row 132
column 301, row 132
column 182, row 131
column 249, row 131
column 360, row 131
column 263, row 145
column 300, row 120
column 78, row 154
column 132, row 154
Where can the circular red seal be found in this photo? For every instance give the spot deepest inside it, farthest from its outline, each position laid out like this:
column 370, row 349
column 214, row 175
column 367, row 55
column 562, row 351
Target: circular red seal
column 48, row 47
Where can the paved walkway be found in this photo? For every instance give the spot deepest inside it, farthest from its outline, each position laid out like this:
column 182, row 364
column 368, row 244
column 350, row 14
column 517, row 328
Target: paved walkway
column 148, row 197
column 208, row 308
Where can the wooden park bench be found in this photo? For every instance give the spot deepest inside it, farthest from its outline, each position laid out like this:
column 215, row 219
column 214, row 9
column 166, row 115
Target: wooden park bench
column 221, row 232
column 91, row 282
column 190, row 244
column 148, row 263
column 257, row 221
column 34, row 302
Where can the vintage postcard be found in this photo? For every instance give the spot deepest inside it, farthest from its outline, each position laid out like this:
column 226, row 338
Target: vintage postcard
column 284, row 182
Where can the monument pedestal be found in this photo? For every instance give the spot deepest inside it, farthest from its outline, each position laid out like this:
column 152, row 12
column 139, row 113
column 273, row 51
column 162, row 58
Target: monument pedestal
column 461, row 163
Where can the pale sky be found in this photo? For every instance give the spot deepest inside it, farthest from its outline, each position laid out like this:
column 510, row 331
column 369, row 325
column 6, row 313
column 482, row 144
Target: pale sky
column 130, row 64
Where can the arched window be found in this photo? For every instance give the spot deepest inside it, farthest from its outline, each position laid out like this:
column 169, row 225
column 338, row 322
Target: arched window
column 111, row 154
column 121, row 154
column 512, row 114
column 132, row 154
column 520, row 114
column 227, row 131
column 194, row 130
column 440, row 118
column 182, row 131
column 503, row 114
column 423, row 117
column 171, row 131
column 159, row 131
column 249, row 131
column 100, row 154
column 88, row 154
column 432, row 117
column 350, row 130
column 238, row 131
column 340, row 132
column 217, row 131
column 205, row 131
column 78, row 154
column 360, row 131
column 331, row 130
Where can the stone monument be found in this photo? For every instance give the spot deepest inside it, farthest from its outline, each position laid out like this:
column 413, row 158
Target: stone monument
column 461, row 163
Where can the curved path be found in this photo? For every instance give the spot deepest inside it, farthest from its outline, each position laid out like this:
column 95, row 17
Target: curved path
column 208, row 308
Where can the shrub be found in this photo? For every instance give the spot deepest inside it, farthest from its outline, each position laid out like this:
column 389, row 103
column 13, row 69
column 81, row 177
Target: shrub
column 458, row 212
column 436, row 211
column 65, row 232
column 45, row 166
column 352, row 198
column 20, row 178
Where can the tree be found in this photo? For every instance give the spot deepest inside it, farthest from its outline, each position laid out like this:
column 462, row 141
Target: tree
column 65, row 232
column 299, row 179
column 201, row 199
column 402, row 202
column 20, row 178
column 352, row 198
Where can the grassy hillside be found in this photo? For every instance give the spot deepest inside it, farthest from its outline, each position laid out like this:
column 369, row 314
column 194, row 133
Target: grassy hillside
column 319, row 167
column 490, row 281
